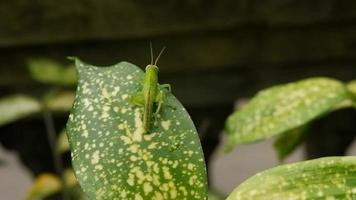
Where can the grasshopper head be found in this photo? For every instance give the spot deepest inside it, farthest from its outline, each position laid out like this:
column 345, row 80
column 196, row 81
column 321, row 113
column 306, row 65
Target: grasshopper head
column 152, row 67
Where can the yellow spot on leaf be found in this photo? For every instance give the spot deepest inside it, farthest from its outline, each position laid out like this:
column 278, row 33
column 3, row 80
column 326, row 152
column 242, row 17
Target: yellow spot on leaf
column 147, row 188
column 166, row 124
column 124, row 96
column 138, row 197
column 95, row 157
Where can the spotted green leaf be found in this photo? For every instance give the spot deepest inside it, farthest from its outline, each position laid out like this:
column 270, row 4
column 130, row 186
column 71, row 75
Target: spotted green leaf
column 16, row 107
column 111, row 156
column 287, row 142
column 281, row 108
column 324, row 178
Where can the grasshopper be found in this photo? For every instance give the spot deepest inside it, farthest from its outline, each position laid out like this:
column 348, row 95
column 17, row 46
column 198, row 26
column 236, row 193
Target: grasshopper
column 152, row 93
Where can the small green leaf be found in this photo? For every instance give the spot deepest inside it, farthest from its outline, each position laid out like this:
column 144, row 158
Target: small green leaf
column 45, row 185
column 49, row 71
column 287, row 142
column 62, row 142
column 16, row 107
column 324, row 178
column 113, row 158
column 214, row 195
column 352, row 86
column 61, row 101
column 281, row 108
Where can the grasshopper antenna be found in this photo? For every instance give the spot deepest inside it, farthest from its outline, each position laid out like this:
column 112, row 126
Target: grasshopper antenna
column 151, row 53
column 159, row 55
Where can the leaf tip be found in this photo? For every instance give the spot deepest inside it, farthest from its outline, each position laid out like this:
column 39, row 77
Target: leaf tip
column 72, row 58
column 76, row 60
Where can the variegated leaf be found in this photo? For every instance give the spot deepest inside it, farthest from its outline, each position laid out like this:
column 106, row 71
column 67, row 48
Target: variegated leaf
column 113, row 158
column 281, row 108
column 329, row 178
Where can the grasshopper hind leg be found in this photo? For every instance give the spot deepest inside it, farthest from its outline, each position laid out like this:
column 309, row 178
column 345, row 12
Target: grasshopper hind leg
column 137, row 99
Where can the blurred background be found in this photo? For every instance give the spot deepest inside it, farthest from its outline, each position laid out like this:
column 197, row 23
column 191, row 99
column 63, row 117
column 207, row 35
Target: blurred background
column 218, row 54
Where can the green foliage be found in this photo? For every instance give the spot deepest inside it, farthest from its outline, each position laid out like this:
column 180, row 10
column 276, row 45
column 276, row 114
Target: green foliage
column 213, row 195
column 16, row 107
column 282, row 108
column 19, row 106
column 59, row 101
column 352, row 86
column 62, row 143
column 48, row 184
column 111, row 156
column 324, row 178
column 44, row 185
column 286, row 143
column 50, row 72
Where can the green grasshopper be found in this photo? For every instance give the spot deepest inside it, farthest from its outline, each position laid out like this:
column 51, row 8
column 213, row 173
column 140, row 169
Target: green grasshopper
column 151, row 93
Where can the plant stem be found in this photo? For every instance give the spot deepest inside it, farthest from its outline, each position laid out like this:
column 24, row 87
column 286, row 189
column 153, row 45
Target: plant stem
column 52, row 138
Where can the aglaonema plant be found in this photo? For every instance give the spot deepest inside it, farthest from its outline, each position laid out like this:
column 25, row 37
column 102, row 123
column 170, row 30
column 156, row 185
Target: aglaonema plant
column 286, row 111
column 115, row 157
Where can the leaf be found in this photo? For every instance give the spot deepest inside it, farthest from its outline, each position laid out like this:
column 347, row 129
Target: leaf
column 111, row 156
column 287, row 142
column 281, row 108
column 49, row 71
column 69, row 178
column 49, row 184
column 352, row 86
column 61, row 101
column 62, row 142
column 323, row 178
column 16, row 107
column 214, row 195
column 45, row 185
